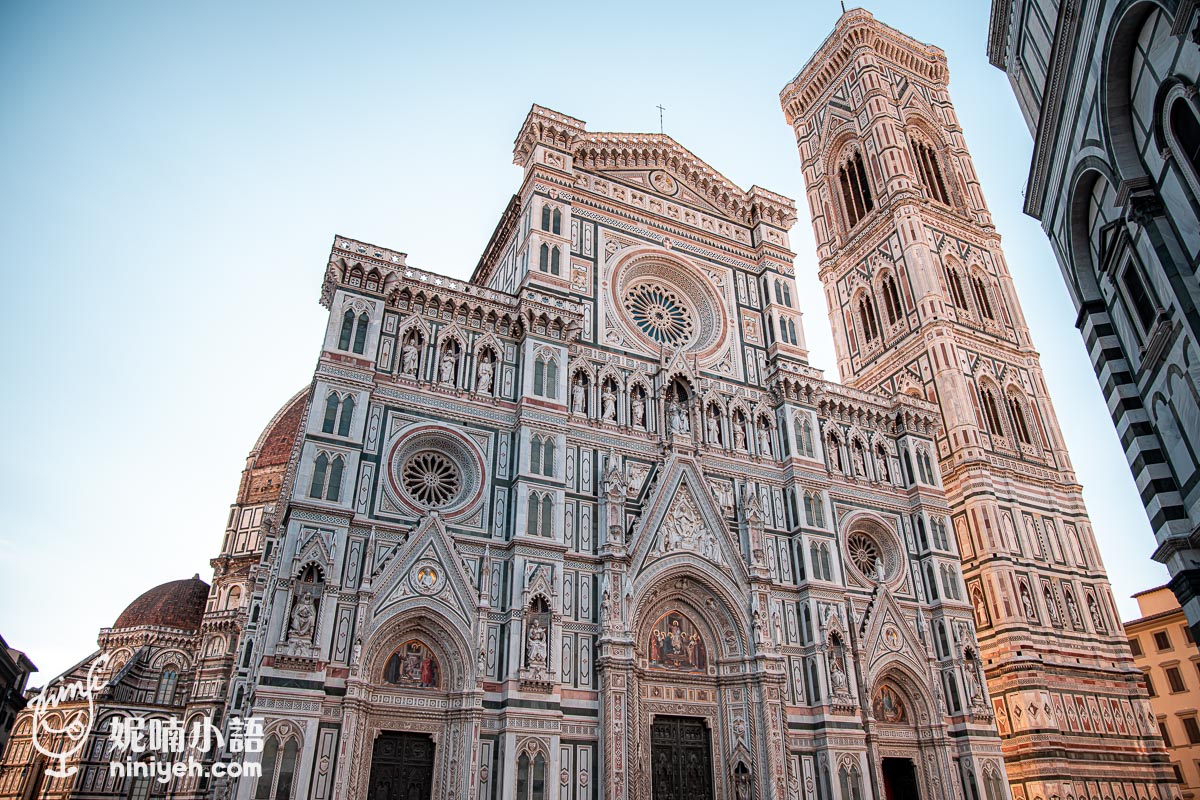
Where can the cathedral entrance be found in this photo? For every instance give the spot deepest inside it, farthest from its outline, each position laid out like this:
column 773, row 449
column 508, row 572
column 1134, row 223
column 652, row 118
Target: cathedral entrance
column 401, row 767
column 900, row 779
column 680, row 759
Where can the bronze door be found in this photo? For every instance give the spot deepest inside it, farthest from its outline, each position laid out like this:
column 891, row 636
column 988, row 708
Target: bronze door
column 680, row 759
column 401, row 767
column 900, row 779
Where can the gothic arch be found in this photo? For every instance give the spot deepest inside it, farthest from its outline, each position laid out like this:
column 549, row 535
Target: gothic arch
column 896, row 672
column 171, row 656
column 442, row 635
column 955, row 278
column 864, row 309
column 416, row 323
column 992, row 406
column 707, row 601
column 1023, row 413
column 685, row 379
column 921, row 132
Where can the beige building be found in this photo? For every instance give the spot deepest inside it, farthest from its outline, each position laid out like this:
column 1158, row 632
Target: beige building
column 1165, row 651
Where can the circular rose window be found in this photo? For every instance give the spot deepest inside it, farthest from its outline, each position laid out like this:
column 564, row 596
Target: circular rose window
column 663, row 301
column 431, row 479
column 661, row 313
column 864, row 552
column 433, row 468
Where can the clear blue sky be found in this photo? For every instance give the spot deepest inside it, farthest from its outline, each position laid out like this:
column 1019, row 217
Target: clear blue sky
column 174, row 175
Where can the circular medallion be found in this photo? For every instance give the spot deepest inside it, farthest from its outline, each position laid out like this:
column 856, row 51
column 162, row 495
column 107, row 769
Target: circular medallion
column 427, row 579
column 663, row 182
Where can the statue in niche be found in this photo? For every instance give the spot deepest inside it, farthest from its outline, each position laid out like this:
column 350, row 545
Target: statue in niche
column 837, row 676
column 713, row 427
column 1073, row 611
column 304, row 617
column 1027, row 603
column 881, row 465
column 860, row 464
column 764, row 439
column 739, row 433
column 1051, row 607
column 722, row 493
column 409, row 356
column 449, row 365
column 578, row 397
column 677, row 416
column 974, row 690
column 535, row 651
column 483, row 380
column 741, row 785
column 835, row 455
column 638, row 407
column 980, row 610
column 1094, row 610
column 608, row 403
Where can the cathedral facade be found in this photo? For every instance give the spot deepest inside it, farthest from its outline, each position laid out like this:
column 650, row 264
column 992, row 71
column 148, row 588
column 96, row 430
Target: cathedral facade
column 589, row 525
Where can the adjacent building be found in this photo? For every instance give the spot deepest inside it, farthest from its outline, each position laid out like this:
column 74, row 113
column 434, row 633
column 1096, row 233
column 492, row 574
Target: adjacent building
column 15, row 669
column 149, row 660
column 1108, row 91
column 1165, row 652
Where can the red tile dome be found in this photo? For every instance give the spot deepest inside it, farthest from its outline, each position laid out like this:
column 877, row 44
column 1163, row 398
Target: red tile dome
column 176, row 604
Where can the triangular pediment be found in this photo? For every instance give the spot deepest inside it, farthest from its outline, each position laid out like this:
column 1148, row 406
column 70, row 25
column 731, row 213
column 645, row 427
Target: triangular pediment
column 427, row 567
column 888, row 635
column 683, row 519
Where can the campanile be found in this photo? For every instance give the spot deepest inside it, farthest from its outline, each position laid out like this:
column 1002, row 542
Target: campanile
column 921, row 302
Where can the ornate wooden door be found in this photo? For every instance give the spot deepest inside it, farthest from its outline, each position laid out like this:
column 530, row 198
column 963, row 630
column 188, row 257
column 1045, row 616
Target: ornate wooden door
column 401, row 767
column 680, row 759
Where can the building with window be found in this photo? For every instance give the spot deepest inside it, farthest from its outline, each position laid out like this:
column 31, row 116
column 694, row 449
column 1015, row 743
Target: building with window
column 1164, row 650
column 153, row 657
column 15, row 668
column 1108, row 91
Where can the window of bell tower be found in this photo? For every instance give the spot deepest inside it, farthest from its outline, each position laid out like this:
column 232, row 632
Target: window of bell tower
column 856, row 192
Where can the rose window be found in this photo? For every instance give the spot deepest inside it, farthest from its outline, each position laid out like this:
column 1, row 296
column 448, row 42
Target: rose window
column 660, row 313
column 431, row 479
column 864, row 552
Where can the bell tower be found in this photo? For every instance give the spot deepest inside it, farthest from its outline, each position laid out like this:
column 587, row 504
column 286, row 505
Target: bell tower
column 921, row 302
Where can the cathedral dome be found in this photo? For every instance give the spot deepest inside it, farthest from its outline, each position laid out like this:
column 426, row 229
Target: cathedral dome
column 175, row 604
column 274, row 445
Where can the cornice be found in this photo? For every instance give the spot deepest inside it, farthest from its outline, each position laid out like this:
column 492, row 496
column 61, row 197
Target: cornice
column 1061, row 54
column 857, row 29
